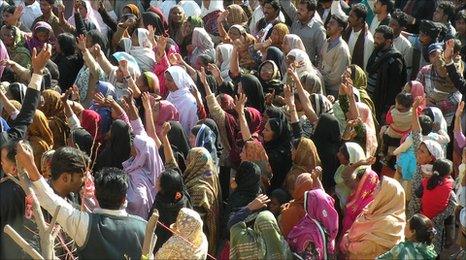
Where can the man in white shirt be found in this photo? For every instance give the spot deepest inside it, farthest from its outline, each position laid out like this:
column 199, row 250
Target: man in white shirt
column 382, row 10
column 398, row 23
column 109, row 232
column 358, row 37
column 30, row 12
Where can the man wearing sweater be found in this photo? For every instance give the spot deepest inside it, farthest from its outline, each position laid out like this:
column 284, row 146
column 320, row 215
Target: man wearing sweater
column 335, row 55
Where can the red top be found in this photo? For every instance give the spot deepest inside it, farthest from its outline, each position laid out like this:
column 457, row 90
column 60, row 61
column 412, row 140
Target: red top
column 434, row 201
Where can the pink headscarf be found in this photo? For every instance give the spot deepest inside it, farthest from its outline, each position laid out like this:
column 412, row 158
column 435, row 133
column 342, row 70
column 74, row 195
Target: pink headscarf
column 167, row 112
column 363, row 195
column 371, row 135
column 321, row 217
column 417, row 90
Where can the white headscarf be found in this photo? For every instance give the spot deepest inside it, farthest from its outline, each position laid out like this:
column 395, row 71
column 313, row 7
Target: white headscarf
column 182, row 98
column 190, row 8
column 294, row 42
column 435, row 149
column 143, row 54
column 202, row 43
column 439, row 119
column 225, row 50
column 215, row 5
column 91, row 16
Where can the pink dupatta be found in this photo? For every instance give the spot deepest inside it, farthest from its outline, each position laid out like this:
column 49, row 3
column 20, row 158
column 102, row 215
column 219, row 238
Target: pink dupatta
column 362, row 196
column 319, row 226
column 371, row 135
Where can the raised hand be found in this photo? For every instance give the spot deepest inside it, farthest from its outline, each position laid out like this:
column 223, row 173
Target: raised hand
column 166, row 128
column 38, row 60
column 146, row 101
column 259, row 202
column 82, row 42
column 96, row 51
column 14, row 18
column 123, row 65
column 269, row 97
column 65, row 96
column 240, row 102
column 289, row 96
column 203, row 76
column 214, row 69
column 100, row 99
column 449, row 50
column 25, row 159
column 369, row 161
column 7, row 63
column 175, row 59
column 459, row 109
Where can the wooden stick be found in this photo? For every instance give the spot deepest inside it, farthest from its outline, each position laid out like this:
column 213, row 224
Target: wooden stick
column 149, row 238
column 22, row 243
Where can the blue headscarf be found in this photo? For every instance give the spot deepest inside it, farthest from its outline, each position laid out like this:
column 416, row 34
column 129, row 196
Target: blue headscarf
column 3, row 125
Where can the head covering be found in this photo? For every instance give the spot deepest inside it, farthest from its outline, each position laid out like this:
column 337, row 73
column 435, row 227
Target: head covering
column 191, row 8
column 90, row 120
column 182, row 98
column 312, row 84
column 213, row 6
column 435, row 149
column 236, row 15
column 225, row 50
column 151, row 18
column 166, row 112
column 152, row 82
column 435, row 47
column 274, row 84
column 437, row 116
column 366, row 117
column 34, row 42
column 431, row 28
column 276, row 55
column 417, row 90
column 133, row 66
column 17, row 91
column 359, row 78
column 294, row 42
column 178, row 139
column 247, row 180
column 321, row 104
column 117, row 147
column 202, row 44
column 360, row 198
column 382, row 222
column 319, row 226
column 266, row 227
column 253, row 89
column 143, row 54
column 281, row 131
column 133, row 9
column 107, row 90
column 54, row 111
column 40, row 136
column 206, row 138
column 282, row 30
column 188, row 240
column 301, row 56
column 91, row 16
column 294, row 211
column 82, row 140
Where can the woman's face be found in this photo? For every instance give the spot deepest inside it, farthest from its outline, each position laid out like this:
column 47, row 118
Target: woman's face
column 82, row 10
column 8, row 37
column 276, row 37
column 342, row 158
column 266, row 72
column 126, row 10
column 423, row 155
column 42, row 36
column 177, row 14
column 171, row 86
column 290, row 60
column 267, row 133
column 192, row 140
column 285, row 46
column 234, row 34
column 141, row 83
column 186, row 29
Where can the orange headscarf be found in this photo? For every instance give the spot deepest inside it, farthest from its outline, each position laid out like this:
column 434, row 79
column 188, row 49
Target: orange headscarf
column 134, row 10
column 53, row 110
column 40, row 136
column 294, row 210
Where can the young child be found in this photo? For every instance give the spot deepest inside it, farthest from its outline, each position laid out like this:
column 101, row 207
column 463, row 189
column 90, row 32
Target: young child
column 398, row 122
column 419, row 233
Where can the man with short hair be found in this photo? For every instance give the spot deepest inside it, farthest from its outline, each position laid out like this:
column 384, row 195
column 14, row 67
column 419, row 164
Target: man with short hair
column 335, row 55
column 444, row 13
column 382, row 10
column 359, row 39
column 271, row 17
column 386, row 71
column 398, row 23
column 109, row 232
column 46, row 6
column 307, row 25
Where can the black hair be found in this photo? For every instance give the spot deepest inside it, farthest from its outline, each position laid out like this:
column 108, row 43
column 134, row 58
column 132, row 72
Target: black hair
column 448, row 9
column 426, row 124
column 67, row 43
column 360, row 10
column 274, row 3
column 404, row 99
column 296, row 142
column 11, row 150
column 69, row 160
column 342, row 21
column 171, row 182
column 311, row 5
column 387, row 32
column 390, row 4
column 98, row 38
column 344, row 150
column 9, row 9
column 400, row 17
column 440, row 169
column 111, row 185
column 423, row 227
column 281, row 195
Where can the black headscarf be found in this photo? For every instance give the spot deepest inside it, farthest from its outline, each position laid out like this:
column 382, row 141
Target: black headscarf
column 117, row 148
column 82, row 139
column 274, row 84
column 168, row 203
column 276, row 55
column 97, row 38
column 17, row 91
column 179, row 143
column 248, row 181
column 253, row 89
column 150, row 18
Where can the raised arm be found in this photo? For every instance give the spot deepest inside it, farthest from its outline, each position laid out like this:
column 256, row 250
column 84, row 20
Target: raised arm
column 149, row 118
column 289, row 99
column 347, row 87
column 123, row 65
column 234, row 62
column 305, row 102
column 458, row 130
column 102, row 60
column 133, row 115
column 416, row 126
column 243, row 123
column 7, row 105
column 167, row 149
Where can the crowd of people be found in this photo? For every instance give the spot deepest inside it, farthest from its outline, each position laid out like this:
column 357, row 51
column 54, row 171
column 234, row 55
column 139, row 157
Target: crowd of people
column 260, row 129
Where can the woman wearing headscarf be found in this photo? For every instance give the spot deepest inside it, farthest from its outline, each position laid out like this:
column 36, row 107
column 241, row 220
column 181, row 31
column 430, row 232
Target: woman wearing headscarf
column 245, row 54
column 117, row 146
column 179, row 83
column 270, row 77
column 381, row 224
column 42, row 33
column 293, row 211
column 131, row 9
column 290, row 42
column 68, row 61
column 279, row 31
column 202, row 136
column 84, row 16
column 246, row 186
column 53, row 110
column 143, row 168
column 170, row 199
column 140, row 47
column 359, row 79
column 202, row 184
column 107, row 90
column 276, row 55
column 187, row 30
column 164, row 111
column 179, row 143
column 305, row 158
column 327, row 137
column 303, row 64
column 252, row 87
column 154, row 19
column 315, row 234
column 223, row 56
column 188, row 241
column 40, row 136
column 417, row 90
column 201, row 44
column 266, row 227
column 176, row 18
column 14, row 41
column 210, row 11
column 254, row 151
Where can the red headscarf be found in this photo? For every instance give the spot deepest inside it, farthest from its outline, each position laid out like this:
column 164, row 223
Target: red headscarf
column 90, row 121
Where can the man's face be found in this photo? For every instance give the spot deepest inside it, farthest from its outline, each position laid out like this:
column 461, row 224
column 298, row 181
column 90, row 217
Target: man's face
column 75, row 181
column 269, row 12
column 353, row 19
column 439, row 15
column 333, row 28
column 378, row 7
column 424, row 39
column 7, row 37
column 45, row 7
column 379, row 41
column 460, row 26
column 395, row 26
column 303, row 13
column 7, row 165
